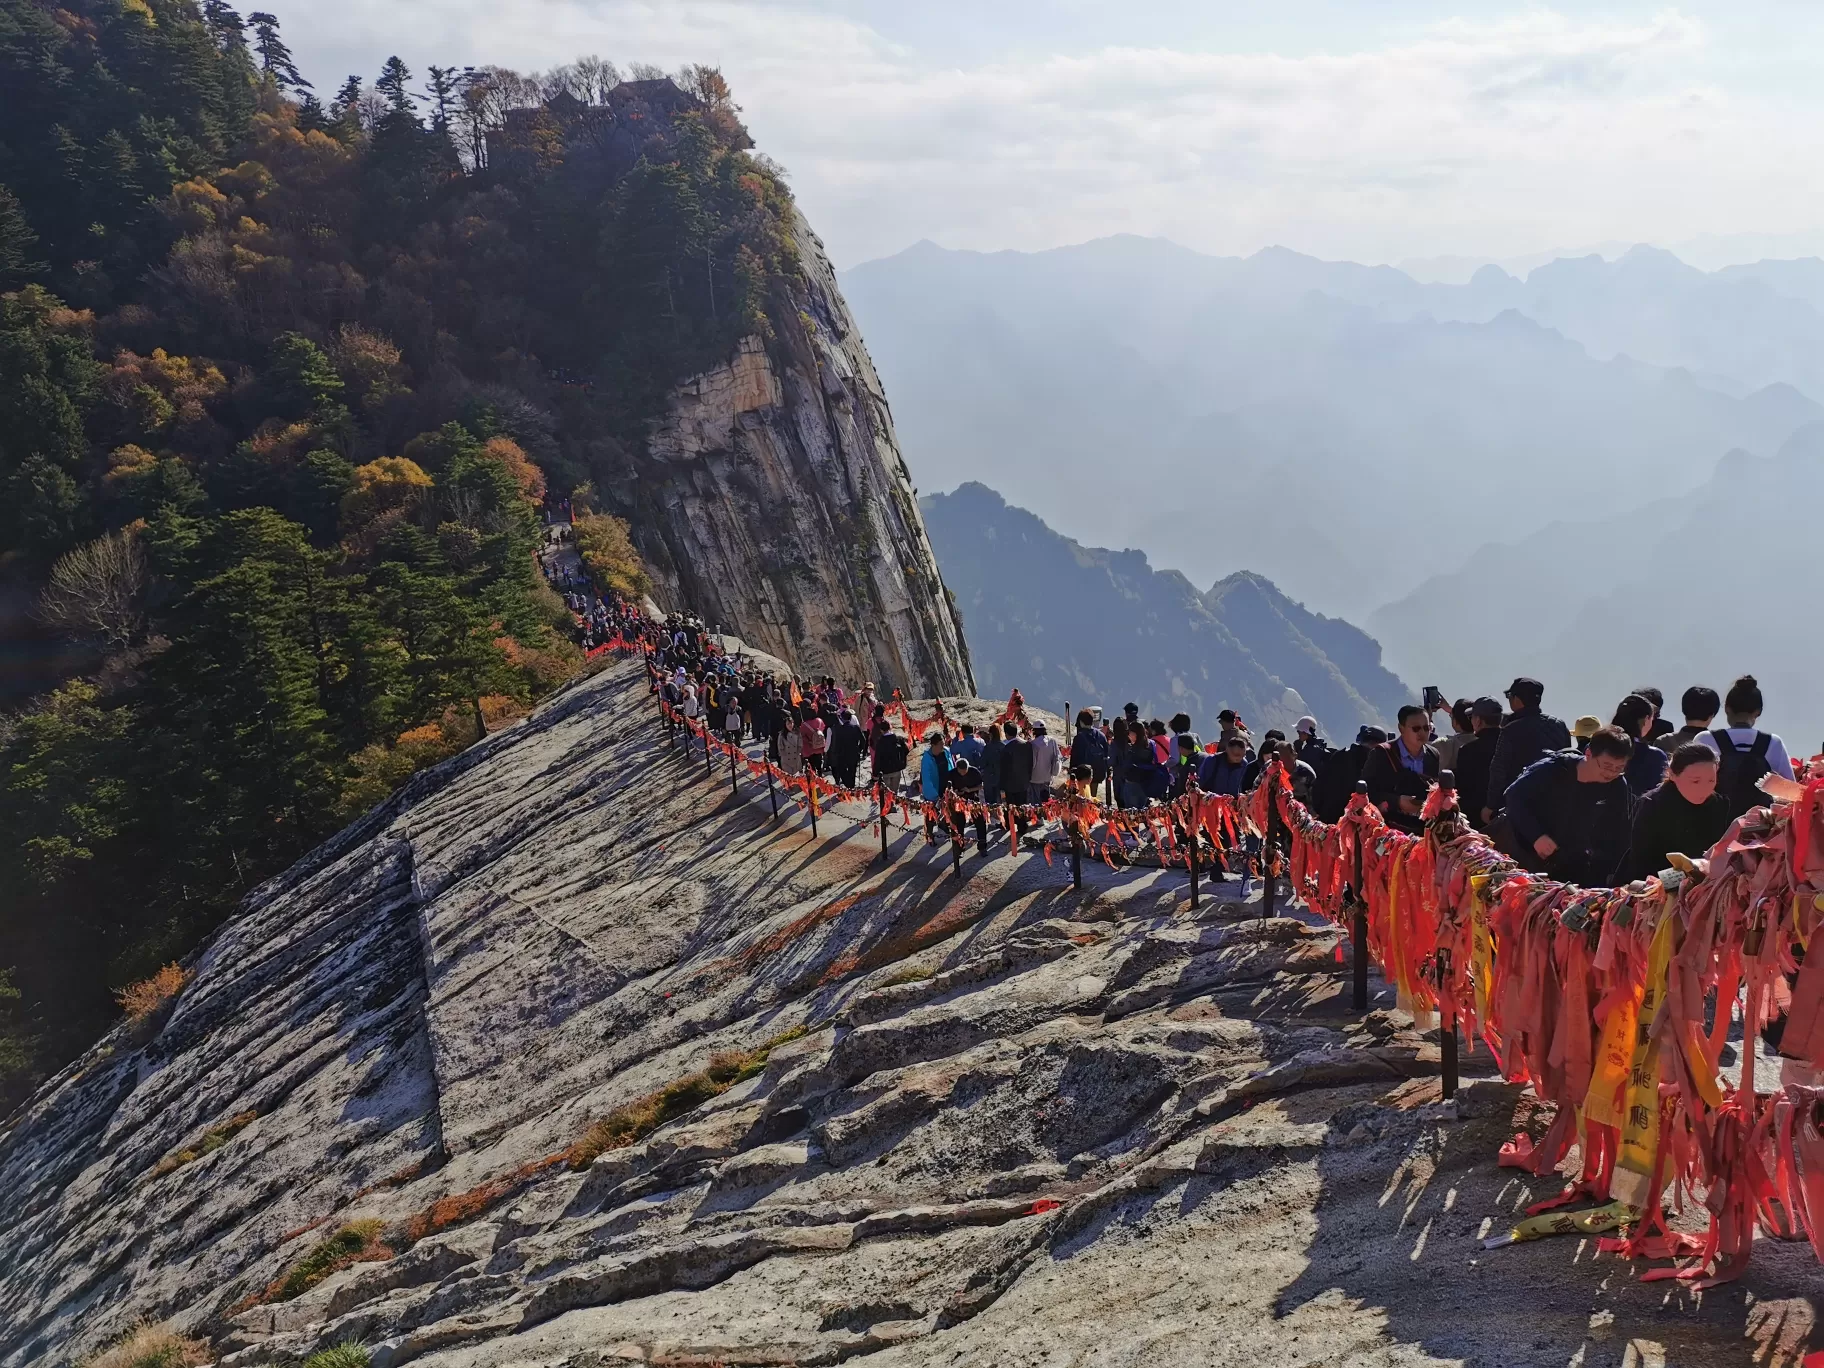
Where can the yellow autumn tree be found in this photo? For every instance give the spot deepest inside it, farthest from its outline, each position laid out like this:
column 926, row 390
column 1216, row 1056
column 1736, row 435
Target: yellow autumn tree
column 607, row 549
column 381, row 486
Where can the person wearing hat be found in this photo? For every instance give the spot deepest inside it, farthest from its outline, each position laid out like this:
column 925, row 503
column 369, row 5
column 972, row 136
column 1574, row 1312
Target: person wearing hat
column 1309, row 741
column 1584, row 728
column 1474, row 757
column 1527, row 733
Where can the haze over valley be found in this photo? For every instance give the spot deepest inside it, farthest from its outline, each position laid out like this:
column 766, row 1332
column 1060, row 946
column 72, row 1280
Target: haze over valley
column 1481, row 474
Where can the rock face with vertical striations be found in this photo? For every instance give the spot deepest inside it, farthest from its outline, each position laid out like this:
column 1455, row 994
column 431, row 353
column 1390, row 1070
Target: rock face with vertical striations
column 772, row 497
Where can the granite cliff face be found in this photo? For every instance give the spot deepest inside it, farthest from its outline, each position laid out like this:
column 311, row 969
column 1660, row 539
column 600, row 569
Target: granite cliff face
column 878, row 1110
column 772, row 496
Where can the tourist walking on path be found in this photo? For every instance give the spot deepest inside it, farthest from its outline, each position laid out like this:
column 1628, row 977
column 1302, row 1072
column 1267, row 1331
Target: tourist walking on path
column 1526, row 734
column 1746, row 752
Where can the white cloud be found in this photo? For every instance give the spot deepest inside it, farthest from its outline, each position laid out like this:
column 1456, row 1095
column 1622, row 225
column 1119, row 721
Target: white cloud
column 1487, row 137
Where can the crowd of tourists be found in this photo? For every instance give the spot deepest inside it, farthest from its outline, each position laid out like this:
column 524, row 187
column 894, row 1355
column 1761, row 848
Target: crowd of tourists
column 1590, row 803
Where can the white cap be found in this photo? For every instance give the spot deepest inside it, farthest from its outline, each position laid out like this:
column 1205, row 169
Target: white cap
column 1307, row 725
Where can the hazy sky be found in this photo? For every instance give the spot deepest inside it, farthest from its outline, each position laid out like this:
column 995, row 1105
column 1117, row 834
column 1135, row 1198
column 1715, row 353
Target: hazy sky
column 1376, row 130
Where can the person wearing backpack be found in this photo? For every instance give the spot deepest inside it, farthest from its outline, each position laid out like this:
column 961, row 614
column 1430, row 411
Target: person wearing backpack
column 1744, row 751
column 1088, row 746
column 890, row 756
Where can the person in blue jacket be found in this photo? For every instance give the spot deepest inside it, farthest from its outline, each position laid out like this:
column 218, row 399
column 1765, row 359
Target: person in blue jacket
column 1572, row 815
column 1635, row 715
column 934, row 776
column 967, row 745
column 1225, row 771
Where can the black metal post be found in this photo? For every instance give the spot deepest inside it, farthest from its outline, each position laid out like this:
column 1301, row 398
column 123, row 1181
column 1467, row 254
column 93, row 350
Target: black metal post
column 956, row 845
column 734, row 780
column 1076, row 858
column 1447, row 1019
column 880, row 799
column 709, row 771
column 1358, row 925
column 771, row 792
column 810, row 788
column 1447, row 1028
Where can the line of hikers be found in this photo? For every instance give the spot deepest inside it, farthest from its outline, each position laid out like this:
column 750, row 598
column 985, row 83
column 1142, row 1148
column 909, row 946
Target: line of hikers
column 1587, row 803
column 1590, row 803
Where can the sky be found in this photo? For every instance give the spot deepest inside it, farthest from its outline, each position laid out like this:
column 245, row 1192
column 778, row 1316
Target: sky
column 1368, row 130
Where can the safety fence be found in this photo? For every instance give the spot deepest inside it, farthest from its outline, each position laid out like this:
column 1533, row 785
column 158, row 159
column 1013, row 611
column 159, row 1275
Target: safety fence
column 1615, row 1004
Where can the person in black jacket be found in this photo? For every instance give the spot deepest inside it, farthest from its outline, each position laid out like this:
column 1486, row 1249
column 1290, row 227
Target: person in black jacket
column 989, row 762
column 1016, row 766
column 1572, row 815
column 1342, row 769
column 1685, row 813
column 1635, row 716
column 1474, row 758
column 966, row 779
column 1120, row 751
column 1089, row 747
column 1526, row 734
column 846, row 746
column 1399, row 773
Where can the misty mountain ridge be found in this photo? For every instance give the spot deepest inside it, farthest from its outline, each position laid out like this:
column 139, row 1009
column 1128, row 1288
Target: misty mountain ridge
column 1317, row 422
column 1741, row 328
column 1067, row 623
column 1692, row 589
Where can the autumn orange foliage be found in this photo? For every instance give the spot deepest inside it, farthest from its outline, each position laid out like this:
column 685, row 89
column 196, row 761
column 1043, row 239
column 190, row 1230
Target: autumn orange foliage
column 141, row 1000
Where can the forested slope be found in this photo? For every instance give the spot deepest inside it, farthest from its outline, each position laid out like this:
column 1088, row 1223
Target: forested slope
column 283, row 384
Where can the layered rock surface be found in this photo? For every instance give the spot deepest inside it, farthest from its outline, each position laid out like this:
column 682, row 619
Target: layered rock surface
column 1001, row 1121
column 772, row 496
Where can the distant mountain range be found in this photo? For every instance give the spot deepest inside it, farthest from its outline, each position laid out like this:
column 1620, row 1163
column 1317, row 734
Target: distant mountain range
column 1344, row 430
column 1066, row 623
column 1694, row 589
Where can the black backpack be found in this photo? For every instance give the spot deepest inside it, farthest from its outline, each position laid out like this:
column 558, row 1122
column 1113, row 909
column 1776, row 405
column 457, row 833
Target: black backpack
column 1336, row 779
column 1089, row 747
column 890, row 754
column 1738, row 770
